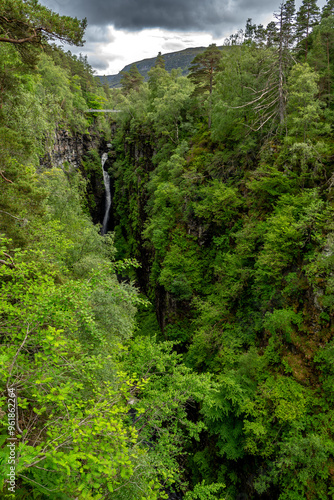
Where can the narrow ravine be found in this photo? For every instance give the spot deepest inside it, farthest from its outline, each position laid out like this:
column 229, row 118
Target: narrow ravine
column 106, row 180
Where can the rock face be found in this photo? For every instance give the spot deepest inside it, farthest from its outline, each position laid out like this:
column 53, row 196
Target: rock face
column 68, row 150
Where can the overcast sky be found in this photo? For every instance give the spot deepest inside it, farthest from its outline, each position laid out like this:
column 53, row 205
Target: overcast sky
column 124, row 31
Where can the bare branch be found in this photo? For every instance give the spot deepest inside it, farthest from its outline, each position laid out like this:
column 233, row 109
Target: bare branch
column 5, row 263
column 251, row 102
column 17, row 218
column 5, row 178
column 21, row 40
column 262, row 124
column 16, row 355
column 31, row 480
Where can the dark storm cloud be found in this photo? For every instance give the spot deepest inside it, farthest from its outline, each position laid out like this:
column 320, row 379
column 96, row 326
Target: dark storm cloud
column 98, row 63
column 215, row 16
column 98, row 34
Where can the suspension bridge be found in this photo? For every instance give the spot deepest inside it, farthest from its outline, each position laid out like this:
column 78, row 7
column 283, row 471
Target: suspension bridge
column 103, row 110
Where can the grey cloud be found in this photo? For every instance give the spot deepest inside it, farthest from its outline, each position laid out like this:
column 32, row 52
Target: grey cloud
column 93, row 52
column 220, row 18
column 215, row 16
column 98, row 63
column 98, row 34
column 172, row 46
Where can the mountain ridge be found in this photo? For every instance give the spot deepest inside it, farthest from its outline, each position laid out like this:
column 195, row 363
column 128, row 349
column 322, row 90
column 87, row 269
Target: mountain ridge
column 173, row 60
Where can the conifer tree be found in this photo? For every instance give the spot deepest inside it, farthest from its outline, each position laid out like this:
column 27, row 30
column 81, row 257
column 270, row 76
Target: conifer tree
column 203, row 70
column 325, row 37
column 271, row 34
column 260, row 35
column 323, row 41
column 307, row 17
column 28, row 26
column 250, row 31
column 328, row 9
column 131, row 80
column 285, row 23
column 160, row 61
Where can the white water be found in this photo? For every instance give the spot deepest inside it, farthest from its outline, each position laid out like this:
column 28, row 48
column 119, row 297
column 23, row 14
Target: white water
column 106, row 180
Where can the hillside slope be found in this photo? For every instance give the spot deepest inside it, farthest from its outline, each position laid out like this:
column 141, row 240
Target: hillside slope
column 173, row 60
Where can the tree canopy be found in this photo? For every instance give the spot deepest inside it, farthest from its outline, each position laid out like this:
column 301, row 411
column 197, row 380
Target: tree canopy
column 27, row 24
column 132, row 79
column 189, row 352
column 204, row 67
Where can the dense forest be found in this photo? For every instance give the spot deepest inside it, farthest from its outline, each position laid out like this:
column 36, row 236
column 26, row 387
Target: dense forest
column 187, row 353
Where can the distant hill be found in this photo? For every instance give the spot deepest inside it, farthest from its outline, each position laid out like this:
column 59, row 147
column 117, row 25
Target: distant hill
column 181, row 59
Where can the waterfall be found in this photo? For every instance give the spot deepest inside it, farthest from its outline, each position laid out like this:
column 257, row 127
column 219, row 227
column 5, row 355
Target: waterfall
column 106, row 180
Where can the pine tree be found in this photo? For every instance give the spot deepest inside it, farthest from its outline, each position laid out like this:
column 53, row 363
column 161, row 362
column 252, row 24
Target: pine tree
column 323, row 42
column 160, row 61
column 307, row 17
column 250, row 31
column 203, row 70
column 328, row 9
column 131, row 80
column 285, row 23
column 29, row 26
column 271, row 34
column 260, row 35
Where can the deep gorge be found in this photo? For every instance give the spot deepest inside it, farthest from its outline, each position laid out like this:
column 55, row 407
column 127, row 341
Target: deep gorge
column 176, row 341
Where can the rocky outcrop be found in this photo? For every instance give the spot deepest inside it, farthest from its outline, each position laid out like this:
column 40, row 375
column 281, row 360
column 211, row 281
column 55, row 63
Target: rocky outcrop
column 67, row 150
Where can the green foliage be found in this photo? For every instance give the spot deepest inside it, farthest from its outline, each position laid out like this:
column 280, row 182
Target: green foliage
column 307, row 17
column 268, row 183
column 169, row 109
column 231, row 228
column 202, row 73
column 160, row 61
column 64, row 295
column 162, row 403
column 204, row 492
column 220, row 203
column 305, row 109
column 204, row 67
column 240, row 104
column 182, row 270
column 131, row 80
column 292, row 228
column 27, row 25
